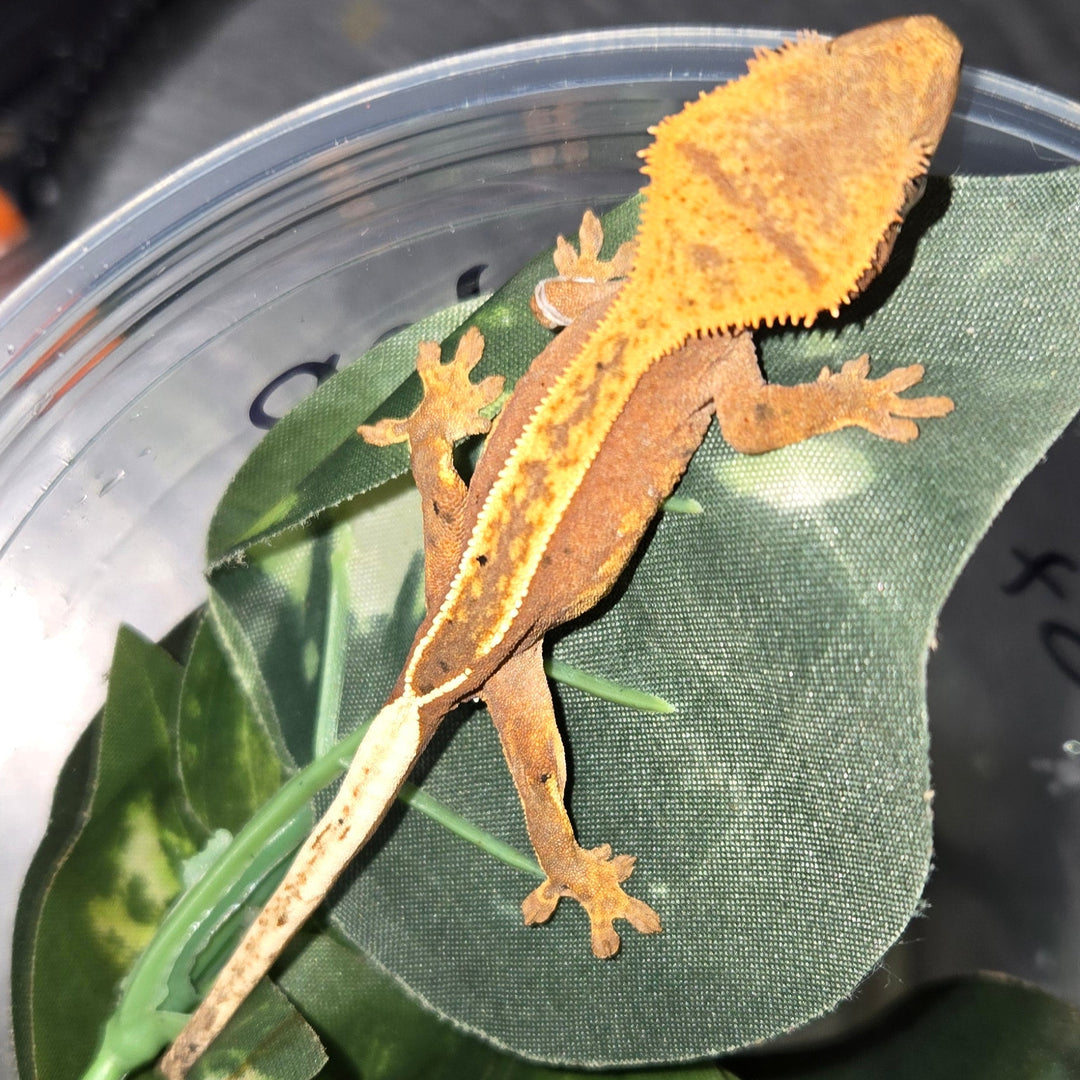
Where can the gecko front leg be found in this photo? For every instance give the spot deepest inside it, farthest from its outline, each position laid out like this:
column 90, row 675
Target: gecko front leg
column 448, row 412
column 519, row 701
column 756, row 416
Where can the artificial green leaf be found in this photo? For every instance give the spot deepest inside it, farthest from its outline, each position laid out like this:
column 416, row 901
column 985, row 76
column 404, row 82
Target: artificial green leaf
column 988, row 1027
column 228, row 764
column 379, row 1032
column 781, row 816
column 267, row 1040
column 104, row 878
column 109, row 868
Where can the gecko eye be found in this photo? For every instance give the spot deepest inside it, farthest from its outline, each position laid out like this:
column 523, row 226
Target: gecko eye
column 913, row 192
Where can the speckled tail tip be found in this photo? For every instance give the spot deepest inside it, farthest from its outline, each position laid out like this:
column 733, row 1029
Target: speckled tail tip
column 383, row 760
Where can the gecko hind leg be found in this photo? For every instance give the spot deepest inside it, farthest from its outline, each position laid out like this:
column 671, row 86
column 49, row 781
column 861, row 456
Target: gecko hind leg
column 583, row 277
column 519, row 701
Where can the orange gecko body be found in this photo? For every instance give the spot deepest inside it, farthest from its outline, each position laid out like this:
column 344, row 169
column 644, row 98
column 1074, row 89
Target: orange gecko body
column 771, row 199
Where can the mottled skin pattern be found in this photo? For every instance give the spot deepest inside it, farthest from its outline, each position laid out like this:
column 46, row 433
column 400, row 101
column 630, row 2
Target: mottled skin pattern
column 771, row 199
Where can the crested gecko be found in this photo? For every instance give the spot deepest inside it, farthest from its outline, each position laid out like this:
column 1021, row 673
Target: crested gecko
column 771, row 199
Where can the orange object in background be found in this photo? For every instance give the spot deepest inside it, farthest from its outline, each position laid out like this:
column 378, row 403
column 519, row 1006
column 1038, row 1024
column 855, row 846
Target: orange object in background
column 13, row 226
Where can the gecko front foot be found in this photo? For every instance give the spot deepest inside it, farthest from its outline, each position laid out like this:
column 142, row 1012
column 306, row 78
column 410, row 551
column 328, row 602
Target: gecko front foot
column 875, row 404
column 583, row 277
column 450, row 407
column 594, row 881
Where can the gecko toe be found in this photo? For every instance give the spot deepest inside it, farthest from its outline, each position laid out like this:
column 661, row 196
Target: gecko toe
column 642, row 917
column 605, row 940
column 540, row 904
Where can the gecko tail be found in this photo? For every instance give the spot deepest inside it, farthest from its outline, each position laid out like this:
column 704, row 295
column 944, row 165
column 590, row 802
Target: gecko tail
column 383, row 760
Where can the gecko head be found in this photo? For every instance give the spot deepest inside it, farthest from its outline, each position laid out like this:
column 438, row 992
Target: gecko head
column 778, row 195
column 917, row 60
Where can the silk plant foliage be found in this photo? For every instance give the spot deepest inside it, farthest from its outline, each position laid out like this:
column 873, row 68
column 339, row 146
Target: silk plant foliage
column 782, row 814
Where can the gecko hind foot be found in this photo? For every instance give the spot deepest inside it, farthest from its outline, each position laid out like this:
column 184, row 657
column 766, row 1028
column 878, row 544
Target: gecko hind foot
column 583, row 277
column 596, row 884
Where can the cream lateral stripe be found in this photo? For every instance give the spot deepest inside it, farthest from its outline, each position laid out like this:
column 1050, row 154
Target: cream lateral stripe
column 525, row 569
column 530, row 446
column 383, row 760
column 441, row 690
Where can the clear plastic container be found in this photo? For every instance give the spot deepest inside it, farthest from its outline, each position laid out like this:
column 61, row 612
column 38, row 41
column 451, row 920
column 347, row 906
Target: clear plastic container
column 132, row 361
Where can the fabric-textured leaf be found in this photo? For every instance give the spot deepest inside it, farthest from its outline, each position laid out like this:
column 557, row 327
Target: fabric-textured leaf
column 268, row 1040
column 378, row 1030
column 228, row 764
column 99, row 903
column 782, row 815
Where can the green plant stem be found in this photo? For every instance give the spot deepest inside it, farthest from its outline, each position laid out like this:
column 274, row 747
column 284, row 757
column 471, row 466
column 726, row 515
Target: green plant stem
column 335, row 645
column 215, row 937
column 460, row 826
column 605, row 688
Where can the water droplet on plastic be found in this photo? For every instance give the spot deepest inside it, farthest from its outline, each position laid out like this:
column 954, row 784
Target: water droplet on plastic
column 111, row 483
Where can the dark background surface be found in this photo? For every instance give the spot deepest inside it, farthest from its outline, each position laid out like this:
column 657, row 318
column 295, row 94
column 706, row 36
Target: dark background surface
column 100, row 99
